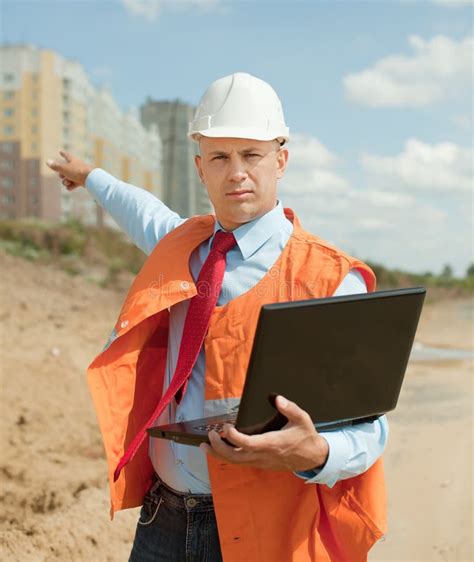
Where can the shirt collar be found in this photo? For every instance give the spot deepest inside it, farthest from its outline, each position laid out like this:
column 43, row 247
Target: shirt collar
column 252, row 235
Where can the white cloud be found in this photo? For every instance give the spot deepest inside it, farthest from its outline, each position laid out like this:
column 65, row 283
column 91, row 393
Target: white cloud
column 463, row 121
column 150, row 9
column 454, row 3
column 310, row 168
column 383, row 199
column 203, row 5
column 444, row 167
column 307, row 150
column 392, row 216
column 438, row 68
column 373, row 224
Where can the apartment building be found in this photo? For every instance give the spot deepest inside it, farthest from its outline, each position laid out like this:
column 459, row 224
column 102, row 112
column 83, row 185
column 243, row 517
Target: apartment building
column 47, row 102
column 124, row 147
column 182, row 189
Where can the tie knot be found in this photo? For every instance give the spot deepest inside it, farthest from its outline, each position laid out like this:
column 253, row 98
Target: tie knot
column 223, row 242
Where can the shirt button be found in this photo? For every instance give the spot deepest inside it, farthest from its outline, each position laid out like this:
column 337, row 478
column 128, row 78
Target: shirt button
column 191, row 502
column 184, row 285
column 124, row 323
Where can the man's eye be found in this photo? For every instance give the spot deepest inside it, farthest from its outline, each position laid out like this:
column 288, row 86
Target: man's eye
column 220, row 157
column 253, row 155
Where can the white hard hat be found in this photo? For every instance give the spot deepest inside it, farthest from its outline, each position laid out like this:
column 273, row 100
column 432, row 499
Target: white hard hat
column 239, row 106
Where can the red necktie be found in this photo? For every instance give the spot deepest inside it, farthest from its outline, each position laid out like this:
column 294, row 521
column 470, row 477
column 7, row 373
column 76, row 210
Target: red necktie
column 208, row 287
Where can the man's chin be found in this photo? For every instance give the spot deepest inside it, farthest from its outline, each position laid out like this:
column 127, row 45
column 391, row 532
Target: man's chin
column 234, row 220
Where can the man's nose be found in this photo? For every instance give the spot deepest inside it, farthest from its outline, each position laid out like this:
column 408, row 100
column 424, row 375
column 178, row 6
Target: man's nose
column 237, row 171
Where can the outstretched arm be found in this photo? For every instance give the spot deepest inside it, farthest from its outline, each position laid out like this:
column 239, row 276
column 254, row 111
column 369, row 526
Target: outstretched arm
column 143, row 216
column 139, row 213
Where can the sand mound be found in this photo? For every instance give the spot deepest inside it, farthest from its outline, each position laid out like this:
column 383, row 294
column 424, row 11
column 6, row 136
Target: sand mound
column 54, row 491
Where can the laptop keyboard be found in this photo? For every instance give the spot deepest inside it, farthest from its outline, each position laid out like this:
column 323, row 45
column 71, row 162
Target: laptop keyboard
column 213, row 426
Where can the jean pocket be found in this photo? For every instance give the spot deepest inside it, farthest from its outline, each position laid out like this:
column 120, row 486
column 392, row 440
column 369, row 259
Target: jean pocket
column 149, row 511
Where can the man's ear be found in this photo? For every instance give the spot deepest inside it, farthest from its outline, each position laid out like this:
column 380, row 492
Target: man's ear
column 198, row 164
column 282, row 161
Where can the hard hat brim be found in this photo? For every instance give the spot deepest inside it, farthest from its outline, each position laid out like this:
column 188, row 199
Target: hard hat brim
column 241, row 133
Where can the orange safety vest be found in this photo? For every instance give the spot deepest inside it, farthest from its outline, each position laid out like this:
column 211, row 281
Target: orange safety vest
column 263, row 516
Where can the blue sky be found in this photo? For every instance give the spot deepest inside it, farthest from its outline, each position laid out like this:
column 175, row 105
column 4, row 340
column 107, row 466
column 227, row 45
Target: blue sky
column 377, row 94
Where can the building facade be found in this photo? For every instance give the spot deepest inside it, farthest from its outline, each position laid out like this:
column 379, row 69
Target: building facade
column 47, row 103
column 124, row 147
column 182, row 188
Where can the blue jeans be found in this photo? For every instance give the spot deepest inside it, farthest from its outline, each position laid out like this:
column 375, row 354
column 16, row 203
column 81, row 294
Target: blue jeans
column 176, row 527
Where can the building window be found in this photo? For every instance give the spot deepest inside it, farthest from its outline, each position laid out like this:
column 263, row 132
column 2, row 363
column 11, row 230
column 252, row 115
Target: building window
column 34, row 129
column 66, row 116
column 33, row 182
column 34, row 112
column 7, row 147
column 8, row 77
column 34, row 199
column 6, row 182
column 8, row 95
column 34, row 146
column 6, row 164
column 8, row 130
column 34, row 94
column 8, row 111
column 9, row 199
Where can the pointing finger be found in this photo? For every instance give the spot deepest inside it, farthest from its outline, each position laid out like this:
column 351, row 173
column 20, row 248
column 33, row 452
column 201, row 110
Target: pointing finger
column 56, row 166
column 65, row 155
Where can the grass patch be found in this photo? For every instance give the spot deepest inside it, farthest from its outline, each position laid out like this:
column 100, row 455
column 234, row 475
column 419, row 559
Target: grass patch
column 107, row 257
column 102, row 255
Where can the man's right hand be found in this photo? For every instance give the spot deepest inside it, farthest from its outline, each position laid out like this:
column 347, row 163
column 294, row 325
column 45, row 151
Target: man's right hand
column 73, row 172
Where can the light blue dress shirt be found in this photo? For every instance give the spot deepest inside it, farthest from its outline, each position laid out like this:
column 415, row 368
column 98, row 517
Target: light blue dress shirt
column 146, row 219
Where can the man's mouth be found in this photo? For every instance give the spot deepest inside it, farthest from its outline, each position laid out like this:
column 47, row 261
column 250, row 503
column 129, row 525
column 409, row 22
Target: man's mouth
column 239, row 193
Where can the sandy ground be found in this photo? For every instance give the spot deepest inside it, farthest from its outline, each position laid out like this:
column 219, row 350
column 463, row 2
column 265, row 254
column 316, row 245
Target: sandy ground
column 53, row 476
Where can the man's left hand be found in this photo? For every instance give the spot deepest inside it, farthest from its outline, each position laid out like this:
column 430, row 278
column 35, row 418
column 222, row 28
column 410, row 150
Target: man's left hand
column 295, row 447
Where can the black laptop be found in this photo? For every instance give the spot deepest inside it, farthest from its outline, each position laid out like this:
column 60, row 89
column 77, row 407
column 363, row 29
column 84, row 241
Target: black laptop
column 342, row 359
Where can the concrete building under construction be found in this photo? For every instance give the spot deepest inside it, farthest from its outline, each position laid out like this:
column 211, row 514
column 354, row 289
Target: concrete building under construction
column 182, row 189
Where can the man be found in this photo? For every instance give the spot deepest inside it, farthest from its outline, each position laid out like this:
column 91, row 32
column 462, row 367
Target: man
column 180, row 352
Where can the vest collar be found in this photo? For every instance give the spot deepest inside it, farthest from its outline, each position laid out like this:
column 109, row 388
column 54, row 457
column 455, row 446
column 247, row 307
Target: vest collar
column 173, row 283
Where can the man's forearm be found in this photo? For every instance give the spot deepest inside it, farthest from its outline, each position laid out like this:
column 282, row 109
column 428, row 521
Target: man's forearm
column 352, row 450
column 139, row 213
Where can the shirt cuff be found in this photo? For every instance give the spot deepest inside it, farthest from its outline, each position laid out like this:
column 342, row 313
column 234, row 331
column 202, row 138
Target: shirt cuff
column 97, row 181
column 339, row 451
